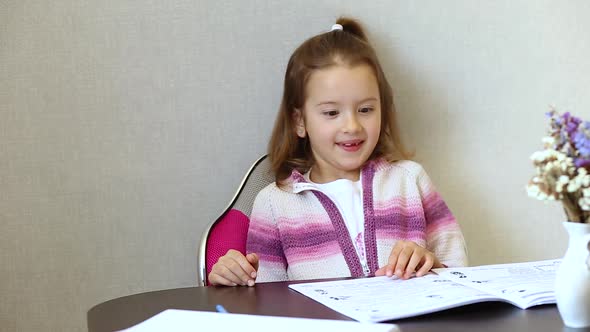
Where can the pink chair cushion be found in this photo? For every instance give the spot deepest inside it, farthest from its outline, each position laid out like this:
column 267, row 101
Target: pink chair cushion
column 230, row 232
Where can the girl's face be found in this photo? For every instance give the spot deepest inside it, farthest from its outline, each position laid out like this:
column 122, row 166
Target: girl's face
column 342, row 117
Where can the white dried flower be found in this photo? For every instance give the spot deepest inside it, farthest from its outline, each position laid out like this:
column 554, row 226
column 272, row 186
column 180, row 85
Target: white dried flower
column 562, row 181
column 584, row 201
column 548, row 140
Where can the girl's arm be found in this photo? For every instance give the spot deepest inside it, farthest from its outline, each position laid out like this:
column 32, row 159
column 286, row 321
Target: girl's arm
column 264, row 240
column 443, row 234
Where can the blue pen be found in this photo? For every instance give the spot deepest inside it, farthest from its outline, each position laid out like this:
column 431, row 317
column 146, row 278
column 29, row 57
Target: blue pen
column 220, row 309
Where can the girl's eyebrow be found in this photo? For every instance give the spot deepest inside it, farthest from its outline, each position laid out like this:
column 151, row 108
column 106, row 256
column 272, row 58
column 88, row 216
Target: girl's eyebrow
column 333, row 102
column 326, row 103
column 368, row 99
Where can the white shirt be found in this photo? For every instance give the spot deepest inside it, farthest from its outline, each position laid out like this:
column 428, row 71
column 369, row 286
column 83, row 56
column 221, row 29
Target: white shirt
column 347, row 195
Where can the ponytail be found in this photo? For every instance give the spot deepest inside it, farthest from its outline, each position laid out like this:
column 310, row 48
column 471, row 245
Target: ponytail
column 353, row 26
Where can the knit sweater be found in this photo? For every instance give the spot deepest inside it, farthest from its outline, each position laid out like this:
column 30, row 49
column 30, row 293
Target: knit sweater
column 298, row 232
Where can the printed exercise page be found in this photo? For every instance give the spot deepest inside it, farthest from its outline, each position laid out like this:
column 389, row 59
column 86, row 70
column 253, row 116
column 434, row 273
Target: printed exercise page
column 523, row 284
column 381, row 298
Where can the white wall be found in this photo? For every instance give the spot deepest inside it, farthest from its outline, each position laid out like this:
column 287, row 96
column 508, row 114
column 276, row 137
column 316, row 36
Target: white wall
column 126, row 125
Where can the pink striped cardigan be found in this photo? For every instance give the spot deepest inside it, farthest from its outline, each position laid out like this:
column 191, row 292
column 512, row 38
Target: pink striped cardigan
column 303, row 236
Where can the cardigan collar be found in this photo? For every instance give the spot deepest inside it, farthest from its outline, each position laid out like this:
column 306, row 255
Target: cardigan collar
column 299, row 182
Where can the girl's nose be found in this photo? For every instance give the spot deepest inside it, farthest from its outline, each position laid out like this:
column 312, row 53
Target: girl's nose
column 352, row 124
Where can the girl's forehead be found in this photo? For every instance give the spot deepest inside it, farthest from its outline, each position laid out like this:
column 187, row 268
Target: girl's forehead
column 340, row 83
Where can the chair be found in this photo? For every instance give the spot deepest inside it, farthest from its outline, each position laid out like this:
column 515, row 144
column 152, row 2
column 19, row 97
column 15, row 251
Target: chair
column 230, row 229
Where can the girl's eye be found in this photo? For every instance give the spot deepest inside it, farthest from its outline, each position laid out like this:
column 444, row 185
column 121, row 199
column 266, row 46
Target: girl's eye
column 330, row 113
column 365, row 109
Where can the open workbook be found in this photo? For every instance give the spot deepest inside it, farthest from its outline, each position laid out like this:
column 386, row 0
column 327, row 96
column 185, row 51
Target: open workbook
column 381, row 299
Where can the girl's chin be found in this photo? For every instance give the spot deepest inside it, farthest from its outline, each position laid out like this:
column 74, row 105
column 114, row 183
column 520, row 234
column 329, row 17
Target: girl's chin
column 351, row 167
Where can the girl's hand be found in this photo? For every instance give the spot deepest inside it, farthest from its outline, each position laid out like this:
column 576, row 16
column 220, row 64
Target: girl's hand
column 406, row 258
column 234, row 269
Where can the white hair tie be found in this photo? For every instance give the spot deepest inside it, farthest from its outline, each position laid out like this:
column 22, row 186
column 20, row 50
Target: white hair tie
column 337, row 27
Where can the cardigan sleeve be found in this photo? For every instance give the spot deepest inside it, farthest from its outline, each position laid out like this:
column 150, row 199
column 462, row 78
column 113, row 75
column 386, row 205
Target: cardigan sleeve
column 264, row 240
column 443, row 234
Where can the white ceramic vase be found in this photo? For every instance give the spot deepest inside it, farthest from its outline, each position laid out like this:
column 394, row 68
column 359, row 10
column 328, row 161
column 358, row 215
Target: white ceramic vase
column 572, row 282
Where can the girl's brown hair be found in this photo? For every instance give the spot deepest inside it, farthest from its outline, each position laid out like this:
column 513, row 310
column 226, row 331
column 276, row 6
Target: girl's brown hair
column 350, row 47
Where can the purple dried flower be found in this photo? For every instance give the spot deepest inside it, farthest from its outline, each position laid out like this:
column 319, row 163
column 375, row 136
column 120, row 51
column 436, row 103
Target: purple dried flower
column 563, row 128
column 572, row 125
column 582, row 163
column 581, row 140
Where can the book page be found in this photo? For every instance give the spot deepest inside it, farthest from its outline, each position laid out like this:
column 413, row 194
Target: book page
column 523, row 284
column 382, row 298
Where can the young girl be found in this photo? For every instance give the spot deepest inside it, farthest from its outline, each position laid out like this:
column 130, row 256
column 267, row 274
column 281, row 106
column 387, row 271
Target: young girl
column 345, row 203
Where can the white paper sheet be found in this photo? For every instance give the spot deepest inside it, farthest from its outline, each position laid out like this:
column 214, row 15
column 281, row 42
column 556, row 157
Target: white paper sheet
column 173, row 320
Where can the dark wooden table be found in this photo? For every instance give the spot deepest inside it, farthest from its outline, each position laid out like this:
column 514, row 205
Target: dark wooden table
column 276, row 299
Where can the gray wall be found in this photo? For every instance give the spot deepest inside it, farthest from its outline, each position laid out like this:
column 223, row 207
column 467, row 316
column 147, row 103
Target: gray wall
column 125, row 127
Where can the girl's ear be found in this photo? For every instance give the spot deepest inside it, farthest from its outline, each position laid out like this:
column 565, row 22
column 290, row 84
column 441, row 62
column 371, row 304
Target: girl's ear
column 299, row 123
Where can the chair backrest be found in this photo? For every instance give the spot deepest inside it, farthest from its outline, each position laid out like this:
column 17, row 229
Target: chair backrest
column 230, row 229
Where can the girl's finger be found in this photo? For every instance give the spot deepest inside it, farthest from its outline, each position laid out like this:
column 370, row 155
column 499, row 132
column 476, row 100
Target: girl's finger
column 218, row 280
column 416, row 258
column 426, row 265
column 239, row 265
column 393, row 257
column 229, row 274
column 402, row 261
